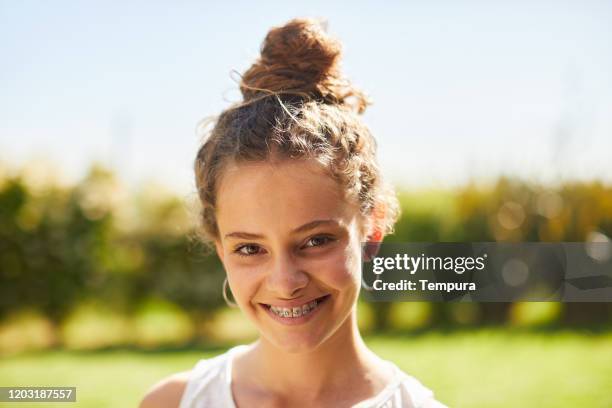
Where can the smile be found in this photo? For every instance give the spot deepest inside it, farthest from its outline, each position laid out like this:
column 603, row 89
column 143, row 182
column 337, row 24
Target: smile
column 297, row 313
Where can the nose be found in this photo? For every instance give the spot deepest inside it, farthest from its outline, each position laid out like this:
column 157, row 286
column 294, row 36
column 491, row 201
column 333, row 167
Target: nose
column 286, row 278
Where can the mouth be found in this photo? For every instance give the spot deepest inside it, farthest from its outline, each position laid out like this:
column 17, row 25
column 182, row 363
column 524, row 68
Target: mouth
column 297, row 314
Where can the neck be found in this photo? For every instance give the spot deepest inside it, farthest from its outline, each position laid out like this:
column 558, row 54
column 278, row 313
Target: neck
column 336, row 363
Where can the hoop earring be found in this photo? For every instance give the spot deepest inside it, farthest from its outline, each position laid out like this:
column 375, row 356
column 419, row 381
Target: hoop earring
column 228, row 301
column 365, row 286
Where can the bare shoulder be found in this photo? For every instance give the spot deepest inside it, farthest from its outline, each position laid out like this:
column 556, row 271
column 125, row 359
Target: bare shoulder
column 167, row 392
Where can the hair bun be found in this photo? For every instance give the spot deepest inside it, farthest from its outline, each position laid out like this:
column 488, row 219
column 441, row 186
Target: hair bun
column 300, row 58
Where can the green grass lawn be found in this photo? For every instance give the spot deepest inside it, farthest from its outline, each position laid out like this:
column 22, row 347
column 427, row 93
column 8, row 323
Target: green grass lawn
column 482, row 368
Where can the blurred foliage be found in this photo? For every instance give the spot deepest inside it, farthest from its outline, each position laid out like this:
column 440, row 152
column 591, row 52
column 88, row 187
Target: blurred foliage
column 95, row 242
column 61, row 246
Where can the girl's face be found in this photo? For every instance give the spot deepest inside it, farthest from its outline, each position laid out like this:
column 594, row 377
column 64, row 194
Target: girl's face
column 290, row 244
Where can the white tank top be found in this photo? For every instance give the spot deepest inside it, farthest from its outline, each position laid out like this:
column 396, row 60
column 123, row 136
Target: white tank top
column 209, row 386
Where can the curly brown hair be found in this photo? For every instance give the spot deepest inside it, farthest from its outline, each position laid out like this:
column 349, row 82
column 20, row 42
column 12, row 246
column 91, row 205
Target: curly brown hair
column 297, row 104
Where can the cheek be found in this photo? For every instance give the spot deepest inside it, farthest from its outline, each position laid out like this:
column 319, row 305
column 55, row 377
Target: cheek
column 342, row 269
column 244, row 280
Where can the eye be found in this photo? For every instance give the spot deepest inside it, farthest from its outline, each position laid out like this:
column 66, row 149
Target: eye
column 248, row 250
column 318, row 241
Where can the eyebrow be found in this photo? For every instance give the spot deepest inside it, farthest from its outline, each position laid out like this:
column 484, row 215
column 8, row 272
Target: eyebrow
column 306, row 227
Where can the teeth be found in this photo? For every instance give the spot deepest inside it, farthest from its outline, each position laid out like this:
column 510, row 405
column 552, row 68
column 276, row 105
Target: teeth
column 294, row 311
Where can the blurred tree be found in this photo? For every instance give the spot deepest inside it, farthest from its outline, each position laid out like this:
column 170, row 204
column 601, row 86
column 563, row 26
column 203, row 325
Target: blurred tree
column 13, row 196
column 60, row 246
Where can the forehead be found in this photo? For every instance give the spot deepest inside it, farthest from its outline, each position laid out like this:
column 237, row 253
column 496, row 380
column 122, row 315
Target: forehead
column 283, row 195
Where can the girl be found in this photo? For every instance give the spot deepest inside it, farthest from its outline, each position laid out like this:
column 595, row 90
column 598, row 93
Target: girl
column 290, row 188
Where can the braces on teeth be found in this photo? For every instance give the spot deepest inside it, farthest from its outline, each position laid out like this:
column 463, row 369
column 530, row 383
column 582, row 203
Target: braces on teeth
column 295, row 311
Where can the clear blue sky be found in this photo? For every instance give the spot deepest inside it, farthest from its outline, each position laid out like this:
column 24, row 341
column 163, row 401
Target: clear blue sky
column 461, row 89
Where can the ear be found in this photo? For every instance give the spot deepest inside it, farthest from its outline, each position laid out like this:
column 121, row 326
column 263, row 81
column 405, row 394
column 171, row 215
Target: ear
column 372, row 246
column 375, row 232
